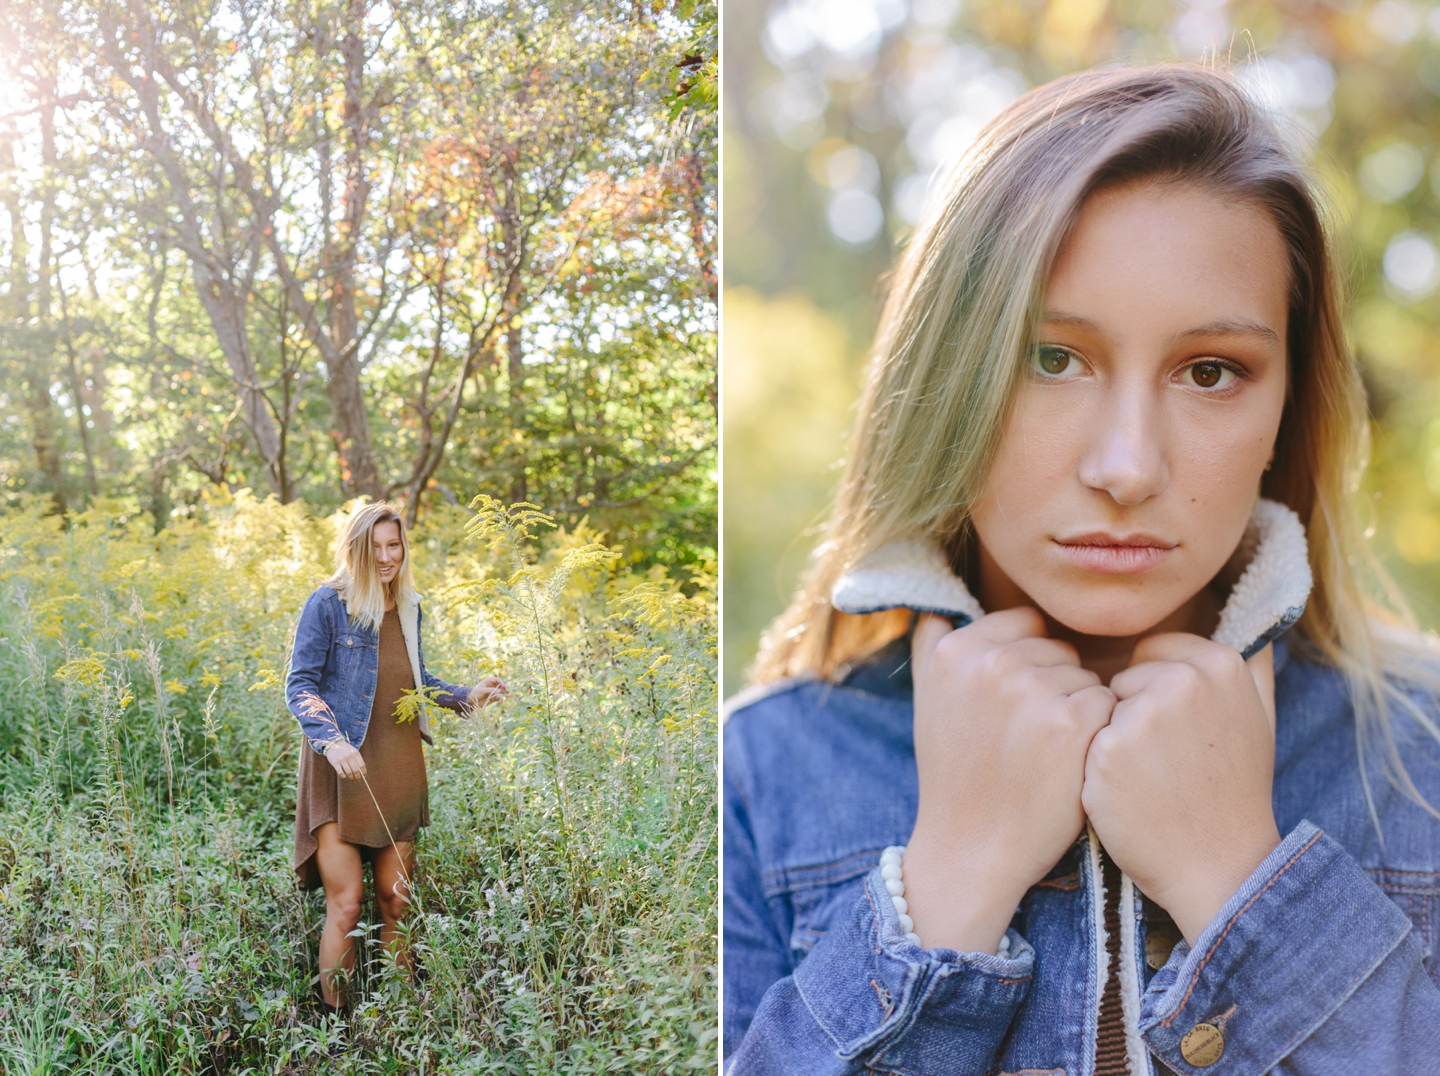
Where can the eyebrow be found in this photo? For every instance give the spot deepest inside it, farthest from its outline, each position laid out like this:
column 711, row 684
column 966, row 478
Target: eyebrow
column 1224, row 327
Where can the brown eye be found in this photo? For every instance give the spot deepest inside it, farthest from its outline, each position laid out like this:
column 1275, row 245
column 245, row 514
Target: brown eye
column 1052, row 361
column 1210, row 375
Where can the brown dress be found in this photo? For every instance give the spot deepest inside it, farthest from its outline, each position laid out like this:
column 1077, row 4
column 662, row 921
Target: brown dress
column 394, row 769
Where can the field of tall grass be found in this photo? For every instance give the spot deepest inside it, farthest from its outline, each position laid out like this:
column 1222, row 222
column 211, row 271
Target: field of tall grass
column 565, row 912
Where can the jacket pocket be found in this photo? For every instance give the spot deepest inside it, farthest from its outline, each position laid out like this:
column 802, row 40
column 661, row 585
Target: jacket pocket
column 351, row 648
column 1417, row 894
column 816, row 908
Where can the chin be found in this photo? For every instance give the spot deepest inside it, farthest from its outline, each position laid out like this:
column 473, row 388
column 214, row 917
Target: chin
column 1118, row 615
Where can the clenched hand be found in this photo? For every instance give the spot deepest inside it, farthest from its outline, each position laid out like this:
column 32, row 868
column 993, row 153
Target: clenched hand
column 1178, row 783
column 1003, row 720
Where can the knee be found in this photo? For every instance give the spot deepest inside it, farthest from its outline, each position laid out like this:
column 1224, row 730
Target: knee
column 343, row 910
column 392, row 905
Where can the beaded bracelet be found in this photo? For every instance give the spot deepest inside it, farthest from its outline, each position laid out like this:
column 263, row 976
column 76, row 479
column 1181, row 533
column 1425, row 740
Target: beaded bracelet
column 890, row 871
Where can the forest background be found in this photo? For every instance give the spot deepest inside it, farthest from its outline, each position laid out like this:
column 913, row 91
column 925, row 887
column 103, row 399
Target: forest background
column 839, row 113
column 260, row 259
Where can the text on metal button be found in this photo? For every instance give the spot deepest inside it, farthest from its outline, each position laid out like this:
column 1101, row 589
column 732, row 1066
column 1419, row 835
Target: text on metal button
column 1202, row 1045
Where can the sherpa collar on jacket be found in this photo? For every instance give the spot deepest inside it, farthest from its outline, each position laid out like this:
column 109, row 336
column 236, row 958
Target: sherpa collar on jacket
column 1267, row 599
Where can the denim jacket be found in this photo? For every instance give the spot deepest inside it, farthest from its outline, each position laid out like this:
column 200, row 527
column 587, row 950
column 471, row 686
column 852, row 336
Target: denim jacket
column 1324, row 961
column 337, row 662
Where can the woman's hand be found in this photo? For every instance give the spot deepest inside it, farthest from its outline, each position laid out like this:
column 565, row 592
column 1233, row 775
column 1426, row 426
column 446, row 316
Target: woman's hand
column 1178, row 784
column 348, row 763
column 489, row 690
column 1003, row 719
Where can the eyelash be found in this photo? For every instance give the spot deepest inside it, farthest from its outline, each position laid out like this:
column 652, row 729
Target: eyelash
column 1239, row 373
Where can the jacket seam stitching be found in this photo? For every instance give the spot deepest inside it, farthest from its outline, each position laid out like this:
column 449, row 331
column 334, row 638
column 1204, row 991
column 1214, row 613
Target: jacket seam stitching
column 790, row 879
column 1195, row 978
column 1360, row 977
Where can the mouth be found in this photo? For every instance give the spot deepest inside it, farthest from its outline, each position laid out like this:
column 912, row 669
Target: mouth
column 1113, row 554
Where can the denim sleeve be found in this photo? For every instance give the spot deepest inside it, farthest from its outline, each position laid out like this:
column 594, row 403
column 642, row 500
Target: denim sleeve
column 452, row 696
column 864, row 997
column 307, row 662
column 1308, row 969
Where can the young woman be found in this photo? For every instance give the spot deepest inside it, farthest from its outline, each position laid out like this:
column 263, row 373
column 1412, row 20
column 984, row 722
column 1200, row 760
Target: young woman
column 357, row 649
column 1087, row 663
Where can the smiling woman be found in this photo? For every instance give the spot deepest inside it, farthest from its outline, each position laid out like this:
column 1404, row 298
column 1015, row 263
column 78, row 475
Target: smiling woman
column 1063, row 760
column 356, row 652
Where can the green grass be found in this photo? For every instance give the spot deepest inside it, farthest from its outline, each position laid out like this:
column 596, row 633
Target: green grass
column 149, row 918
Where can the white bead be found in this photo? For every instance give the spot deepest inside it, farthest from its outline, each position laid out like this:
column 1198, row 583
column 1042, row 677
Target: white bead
column 907, row 925
column 895, row 887
column 900, row 905
column 888, row 860
column 896, row 850
column 889, row 870
column 1004, row 949
column 913, row 938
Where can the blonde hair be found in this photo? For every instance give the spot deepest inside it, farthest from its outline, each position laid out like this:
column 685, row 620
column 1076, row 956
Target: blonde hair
column 356, row 578
column 964, row 300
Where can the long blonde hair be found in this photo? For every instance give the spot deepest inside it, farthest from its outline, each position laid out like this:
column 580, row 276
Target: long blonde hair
column 356, row 578
column 963, row 303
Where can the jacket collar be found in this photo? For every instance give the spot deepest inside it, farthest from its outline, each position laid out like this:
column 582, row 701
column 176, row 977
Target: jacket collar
column 1266, row 600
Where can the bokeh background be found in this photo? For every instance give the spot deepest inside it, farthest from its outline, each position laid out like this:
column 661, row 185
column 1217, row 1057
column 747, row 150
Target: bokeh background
column 838, row 113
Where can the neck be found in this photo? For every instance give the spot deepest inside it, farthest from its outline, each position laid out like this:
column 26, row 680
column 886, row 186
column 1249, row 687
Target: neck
column 1104, row 655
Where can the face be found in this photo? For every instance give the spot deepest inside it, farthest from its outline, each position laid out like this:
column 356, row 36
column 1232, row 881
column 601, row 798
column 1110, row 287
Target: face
column 1133, row 454
column 389, row 550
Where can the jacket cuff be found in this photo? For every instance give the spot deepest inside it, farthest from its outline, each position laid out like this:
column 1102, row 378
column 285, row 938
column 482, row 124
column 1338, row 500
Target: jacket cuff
column 908, row 1008
column 1261, row 984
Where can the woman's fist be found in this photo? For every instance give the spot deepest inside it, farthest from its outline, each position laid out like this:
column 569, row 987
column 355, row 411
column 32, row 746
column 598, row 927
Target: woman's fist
column 1003, row 720
column 1178, row 784
column 347, row 761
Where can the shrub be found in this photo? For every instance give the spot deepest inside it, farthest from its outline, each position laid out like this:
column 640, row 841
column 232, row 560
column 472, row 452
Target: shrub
column 566, row 900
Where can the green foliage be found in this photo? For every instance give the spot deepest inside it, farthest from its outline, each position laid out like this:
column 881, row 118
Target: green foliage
column 566, row 899
column 484, row 259
column 695, row 80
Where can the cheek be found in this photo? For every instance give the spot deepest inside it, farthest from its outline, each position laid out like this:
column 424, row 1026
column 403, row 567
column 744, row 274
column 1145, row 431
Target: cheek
column 1039, row 455
column 1216, row 457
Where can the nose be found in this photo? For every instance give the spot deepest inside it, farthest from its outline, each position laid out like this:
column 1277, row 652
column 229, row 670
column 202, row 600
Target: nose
column 1126, row 454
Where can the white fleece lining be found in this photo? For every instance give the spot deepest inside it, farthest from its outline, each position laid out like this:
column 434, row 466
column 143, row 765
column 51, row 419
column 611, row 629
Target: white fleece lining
column 1137, row 1056
column 410, row 628
column 1102, row 950
column 912, row 573
column 1276, row 581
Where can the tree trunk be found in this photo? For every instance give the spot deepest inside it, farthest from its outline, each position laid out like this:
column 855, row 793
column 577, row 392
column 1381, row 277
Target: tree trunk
column 44, row 429
column 224, row 303
column 512, row 234
column 347, row 399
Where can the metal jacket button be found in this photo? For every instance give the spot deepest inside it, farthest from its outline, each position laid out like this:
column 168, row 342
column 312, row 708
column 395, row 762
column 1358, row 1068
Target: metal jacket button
column 1202, row 1045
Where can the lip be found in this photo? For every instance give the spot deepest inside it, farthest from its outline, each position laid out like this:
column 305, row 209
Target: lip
column 1113, row 554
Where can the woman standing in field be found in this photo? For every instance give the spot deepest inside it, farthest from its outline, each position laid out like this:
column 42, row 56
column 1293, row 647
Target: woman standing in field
column 1083, row 750
column 357, row 650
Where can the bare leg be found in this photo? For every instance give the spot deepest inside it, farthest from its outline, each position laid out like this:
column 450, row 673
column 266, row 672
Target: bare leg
column 340, row 872
column 392, row 867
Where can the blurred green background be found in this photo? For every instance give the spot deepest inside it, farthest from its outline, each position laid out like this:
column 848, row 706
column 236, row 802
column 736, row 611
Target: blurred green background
column 837, row 115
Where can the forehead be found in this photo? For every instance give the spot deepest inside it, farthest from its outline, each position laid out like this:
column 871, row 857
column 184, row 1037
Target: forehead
column 1172, row 255
column 387, row 530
